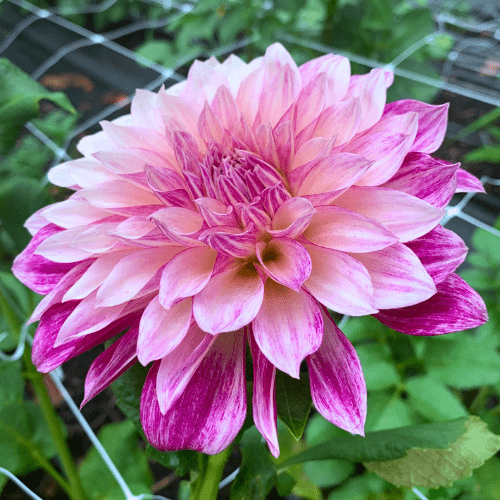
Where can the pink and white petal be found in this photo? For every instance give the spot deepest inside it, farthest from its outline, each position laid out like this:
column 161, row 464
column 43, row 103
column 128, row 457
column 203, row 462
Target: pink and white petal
column 145, row 112
column 179, row 224
column 224, row 106
column 332, row 173
column 341, row 229
column 72, row 213
column 211, row 410
column 455, row 307
column 57, row 247
column 440, row 251
column 216, row 213
column 122, row 285
column 310, row 101
column 292, row 218
column 36, row 271
column 87, row 318
column 288, row 327
column 249, row 93
column 116, row 194
column 265, row 414
column 468, row 183
column 231, row 240
column 286, row 261
column 338, row 387
column 134, row 228
column 340, row 282
column 253, row 213
column 162, row 330
column 96, row 239
column 407, row 217
column 84, row 172
column 273, row 197
column 131, row 161
column 308, row 152
column 230, row 300
column 427, row 178
column 177, row 367
column 371, row 90
column 186, row 274
column 399, row 279
column 36, row 221
column 110, row 364
column 432, row 122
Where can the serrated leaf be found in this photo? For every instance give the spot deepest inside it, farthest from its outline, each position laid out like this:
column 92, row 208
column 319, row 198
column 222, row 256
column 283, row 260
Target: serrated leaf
column 20, row 98
column 257, row 475
column 474, row 445
column 120, row 440
column 293, row 401
column 384, row 445
column 433, row 400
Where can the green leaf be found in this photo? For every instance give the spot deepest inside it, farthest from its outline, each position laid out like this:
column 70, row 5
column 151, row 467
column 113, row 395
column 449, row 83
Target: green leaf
column 488, row 479
column 182, row 461
column 378, row 369
column 11, row 383
column 19, row 198
column 328, row 473
column 480, row 123
column 120, row 440
column 465, row 362
column 489, row 154
column 20, row 98
column 433, row 400
column 293, row 401
column 387, row 412
column 468, row 451
column 257, row 475
column 359, row 488
column 384, row 445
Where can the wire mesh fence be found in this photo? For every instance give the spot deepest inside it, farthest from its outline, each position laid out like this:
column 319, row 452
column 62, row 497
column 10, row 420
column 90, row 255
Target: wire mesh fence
column 471, row 72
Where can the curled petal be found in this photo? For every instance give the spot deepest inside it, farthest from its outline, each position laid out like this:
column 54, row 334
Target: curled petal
column 340, row 282
column 288, row 327
column 286, row 261
column 273, row 197
column 186, row 274
column 264, row 397
column 405, row 216
column 211, row 410
column 399, row 279
column 109, row 365
column 341, row 229
column 338, row 387
column 455, row 307
column 292, row 218
column 230, row 240
column 181, row 225
column 162, row 330
column 230, row 300
column 215, row 213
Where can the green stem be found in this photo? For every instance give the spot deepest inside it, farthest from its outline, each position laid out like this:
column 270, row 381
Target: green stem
column 50, row 415
column 206, row 485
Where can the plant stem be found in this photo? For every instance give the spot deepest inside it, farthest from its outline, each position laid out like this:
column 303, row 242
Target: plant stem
column 206, row 485
column 68, row 465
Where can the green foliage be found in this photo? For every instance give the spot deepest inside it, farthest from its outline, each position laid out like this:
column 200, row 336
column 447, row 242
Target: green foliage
column 120, row 440
column 293, row 401
column 489, row 153
column 20, row 98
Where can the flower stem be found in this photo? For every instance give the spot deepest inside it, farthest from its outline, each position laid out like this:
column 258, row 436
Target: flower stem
column 50, row 415
column 206, row 485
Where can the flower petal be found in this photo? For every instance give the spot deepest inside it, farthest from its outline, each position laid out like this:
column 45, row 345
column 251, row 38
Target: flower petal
column 286, row 261
column 179, row 224
column 338, row 386
column 109, row 365
column 264, row 397
column 405, row 216
column 341, row 229
column 186, row 274
column 291, row 218
column 440, row 251
column 340, row 282
column 211, row 410
column 468, row 183
column 288, row 327
column 455, row 307
column 399, row 279
column 72, row 213
column 161, row 330
column 230, row 300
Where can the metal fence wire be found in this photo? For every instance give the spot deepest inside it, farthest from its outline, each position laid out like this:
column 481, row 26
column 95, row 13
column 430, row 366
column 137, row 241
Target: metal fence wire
column 471, row 70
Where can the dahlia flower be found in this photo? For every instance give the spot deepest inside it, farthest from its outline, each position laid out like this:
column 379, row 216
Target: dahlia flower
column 233, row 209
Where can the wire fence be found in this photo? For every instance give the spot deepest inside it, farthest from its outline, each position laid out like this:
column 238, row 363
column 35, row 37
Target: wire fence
column 470, row 70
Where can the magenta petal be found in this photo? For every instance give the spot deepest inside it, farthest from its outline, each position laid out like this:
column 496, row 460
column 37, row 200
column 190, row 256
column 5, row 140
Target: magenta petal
column 109, row 365
column 211, row 410
column 264, row 397
column 427, row 178
column 288, row 327
column 230, row 240
column 468, row 183
column 338, row 386
column 292, row 217
column 456, row 306
column 441, row 251
column 432, row 121
column 35, row 271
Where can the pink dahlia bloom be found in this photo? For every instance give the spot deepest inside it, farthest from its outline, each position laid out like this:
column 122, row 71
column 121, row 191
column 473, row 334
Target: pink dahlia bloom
column 234, row 208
